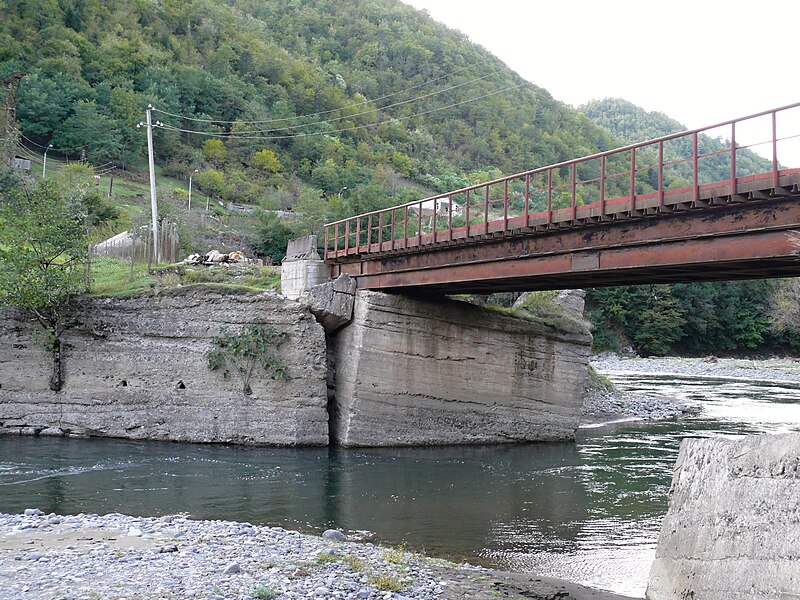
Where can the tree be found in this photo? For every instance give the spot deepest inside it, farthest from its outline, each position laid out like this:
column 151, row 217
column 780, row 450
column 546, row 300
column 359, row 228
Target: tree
column 213, row 182
column 214, row 150
column 42, row 259
column 272, row 237
column 100, row 135
column 785, row 306
column 267, row 160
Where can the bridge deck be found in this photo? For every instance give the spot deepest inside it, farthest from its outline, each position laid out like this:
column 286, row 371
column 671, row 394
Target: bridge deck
column 494, row 240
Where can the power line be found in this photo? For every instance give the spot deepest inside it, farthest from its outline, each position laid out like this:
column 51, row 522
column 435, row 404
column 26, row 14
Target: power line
column 372, row 110
column 54, row 149
column 28, row 154
column 324, row 112
column 229, row 135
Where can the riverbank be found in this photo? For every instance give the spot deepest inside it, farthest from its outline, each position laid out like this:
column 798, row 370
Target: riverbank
column 118, row 556
column 768, row 370
column 603, row 404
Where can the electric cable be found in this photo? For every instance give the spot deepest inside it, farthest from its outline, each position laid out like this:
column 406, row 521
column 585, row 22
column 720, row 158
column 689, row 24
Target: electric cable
column 324, row 112
column 229, row 135
column 372, row 110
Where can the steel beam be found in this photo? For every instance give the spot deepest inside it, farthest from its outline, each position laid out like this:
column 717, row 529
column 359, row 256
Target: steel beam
column 729, row 242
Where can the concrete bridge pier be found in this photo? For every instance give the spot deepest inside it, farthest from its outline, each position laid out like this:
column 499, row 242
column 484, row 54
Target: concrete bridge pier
column 411, row 371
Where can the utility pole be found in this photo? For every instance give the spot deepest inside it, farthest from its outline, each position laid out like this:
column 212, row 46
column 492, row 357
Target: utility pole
column 151, row 161
column 44, row 163
column 190, row 188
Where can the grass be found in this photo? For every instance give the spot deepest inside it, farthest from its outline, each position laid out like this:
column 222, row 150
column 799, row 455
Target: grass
column 326, row 558
column 545, row 312
column 386, row 582
column 111, row 278
column 597, row 381
column 397, row 556
column 264, row 592
column 355, row 563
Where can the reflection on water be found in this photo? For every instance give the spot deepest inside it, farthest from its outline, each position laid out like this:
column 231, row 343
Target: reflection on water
column 588, row 511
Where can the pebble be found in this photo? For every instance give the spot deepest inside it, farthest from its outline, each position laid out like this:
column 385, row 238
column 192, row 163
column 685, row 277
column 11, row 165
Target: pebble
column 335, row 535
column 648, row 407
column 233, row 568
column 213, row 559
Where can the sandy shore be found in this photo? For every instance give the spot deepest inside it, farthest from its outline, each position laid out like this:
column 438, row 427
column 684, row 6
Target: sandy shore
column 122, row 557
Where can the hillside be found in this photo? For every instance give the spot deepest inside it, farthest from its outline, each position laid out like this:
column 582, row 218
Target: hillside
column 631, row 124
column 306, row 71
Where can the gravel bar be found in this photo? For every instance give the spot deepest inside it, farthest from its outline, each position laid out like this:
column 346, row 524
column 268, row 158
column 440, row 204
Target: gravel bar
column 772, row 369
column 116, row 557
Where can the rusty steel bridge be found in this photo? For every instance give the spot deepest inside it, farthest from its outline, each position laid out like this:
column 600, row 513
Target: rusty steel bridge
column 643, row 213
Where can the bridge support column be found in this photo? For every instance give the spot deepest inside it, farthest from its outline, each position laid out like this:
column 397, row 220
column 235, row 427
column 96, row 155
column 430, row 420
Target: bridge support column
column 302, row 268
column 424, row 372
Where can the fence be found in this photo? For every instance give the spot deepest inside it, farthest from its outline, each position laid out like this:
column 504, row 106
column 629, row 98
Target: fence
column 140, row 243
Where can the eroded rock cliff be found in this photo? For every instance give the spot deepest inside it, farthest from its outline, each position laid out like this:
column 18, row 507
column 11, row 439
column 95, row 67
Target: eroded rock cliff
column 136, row 368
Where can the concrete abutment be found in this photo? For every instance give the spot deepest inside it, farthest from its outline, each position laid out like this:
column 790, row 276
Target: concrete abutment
column 414, row 371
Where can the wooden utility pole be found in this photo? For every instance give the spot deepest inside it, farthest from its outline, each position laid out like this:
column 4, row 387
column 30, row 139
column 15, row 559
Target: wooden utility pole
column 10, row 85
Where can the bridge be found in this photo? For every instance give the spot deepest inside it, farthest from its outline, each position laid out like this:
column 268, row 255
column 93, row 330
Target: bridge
column 692, row 206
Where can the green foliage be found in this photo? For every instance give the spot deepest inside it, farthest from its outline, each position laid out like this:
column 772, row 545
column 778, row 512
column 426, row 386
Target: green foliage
column 272, row 237
column 212, row 181
column 784, row 311
column 267, row 160
column 112, row 277
column 597, row 381
column 214, row 150
column 305, row 69
column 386, row 582
column 698, row 318
column 42, row 256
column 253, row 346
column 264, row 592
column 631, row 124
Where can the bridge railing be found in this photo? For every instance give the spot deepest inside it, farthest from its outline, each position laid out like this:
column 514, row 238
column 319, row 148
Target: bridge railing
column 685, row 168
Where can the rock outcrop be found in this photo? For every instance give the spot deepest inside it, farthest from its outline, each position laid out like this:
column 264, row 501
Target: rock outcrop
column 411, row 371
column 332, row 302
column 136, row 368
column 732, row 530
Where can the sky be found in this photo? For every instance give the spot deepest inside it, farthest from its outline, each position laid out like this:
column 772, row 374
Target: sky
column 698, row 61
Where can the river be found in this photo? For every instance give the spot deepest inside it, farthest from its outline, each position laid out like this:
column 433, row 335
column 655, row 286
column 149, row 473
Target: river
column 589, row 511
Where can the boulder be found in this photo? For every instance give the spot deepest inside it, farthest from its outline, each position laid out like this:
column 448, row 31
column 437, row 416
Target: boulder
column 332, row 302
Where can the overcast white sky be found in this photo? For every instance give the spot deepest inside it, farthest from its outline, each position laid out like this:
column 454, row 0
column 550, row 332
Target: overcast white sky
column 698, row 61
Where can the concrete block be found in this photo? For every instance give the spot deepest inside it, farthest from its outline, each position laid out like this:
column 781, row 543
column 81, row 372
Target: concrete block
column 732, row 530
column 332, row 302
column 299, row 276
column 420, row 372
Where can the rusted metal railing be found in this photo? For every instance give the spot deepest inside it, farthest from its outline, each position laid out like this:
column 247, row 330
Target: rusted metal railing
column 622, row 182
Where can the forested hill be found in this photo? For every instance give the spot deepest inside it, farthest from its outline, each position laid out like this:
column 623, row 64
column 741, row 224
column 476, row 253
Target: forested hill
column 344, row 89
column 630, row 124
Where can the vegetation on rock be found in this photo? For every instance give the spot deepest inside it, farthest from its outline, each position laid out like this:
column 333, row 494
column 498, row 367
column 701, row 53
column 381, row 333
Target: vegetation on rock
column 253, row 346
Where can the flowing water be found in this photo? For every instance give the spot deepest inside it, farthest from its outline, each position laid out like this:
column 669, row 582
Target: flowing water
column 589, row 511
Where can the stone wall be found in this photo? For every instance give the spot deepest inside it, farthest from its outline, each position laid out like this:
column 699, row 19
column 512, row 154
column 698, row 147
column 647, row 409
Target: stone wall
column 136, row 368
column 410, row 371
column 733, row 526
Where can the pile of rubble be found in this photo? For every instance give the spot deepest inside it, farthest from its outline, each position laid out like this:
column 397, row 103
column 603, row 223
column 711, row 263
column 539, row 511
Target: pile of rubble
column 215, row 257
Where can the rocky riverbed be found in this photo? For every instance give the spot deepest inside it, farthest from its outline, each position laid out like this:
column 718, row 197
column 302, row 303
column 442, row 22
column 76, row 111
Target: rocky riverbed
column 602, row 403
column 173, row 557
column 771, row 369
